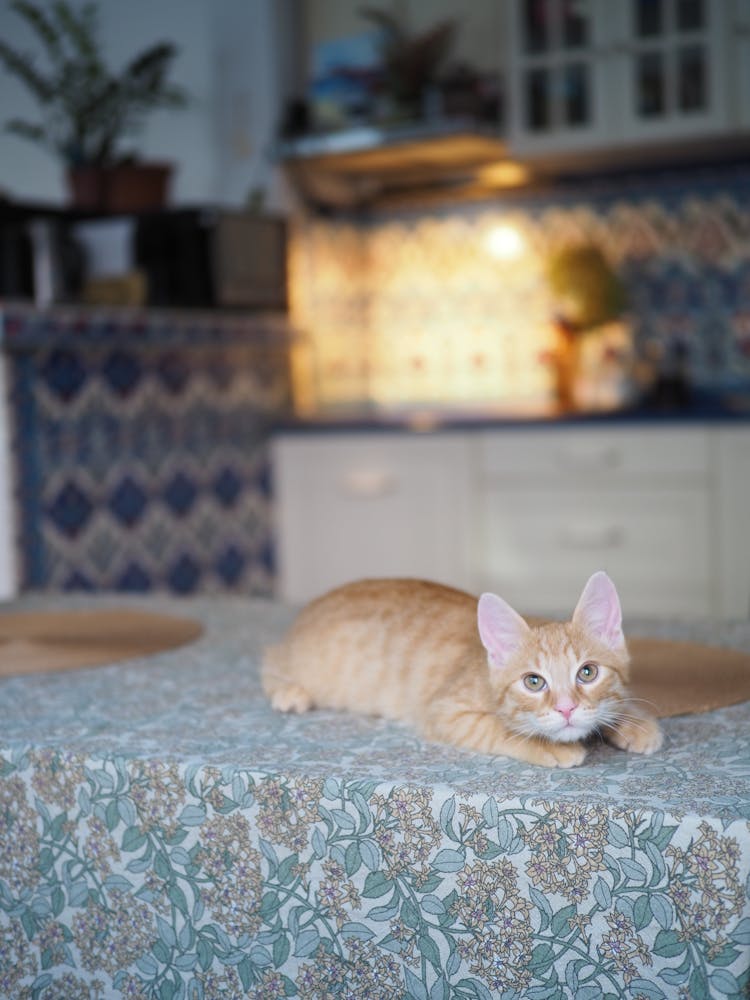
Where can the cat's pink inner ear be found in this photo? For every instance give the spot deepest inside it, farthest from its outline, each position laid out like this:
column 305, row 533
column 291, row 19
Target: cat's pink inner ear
column 501, row 629
column 598, row 611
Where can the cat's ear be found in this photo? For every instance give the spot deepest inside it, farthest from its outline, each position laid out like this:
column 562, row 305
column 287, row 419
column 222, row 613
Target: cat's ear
column 501, row 629
column 598, row 611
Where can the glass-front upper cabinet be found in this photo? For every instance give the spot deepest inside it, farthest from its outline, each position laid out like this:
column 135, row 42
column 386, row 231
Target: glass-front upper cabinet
column 740, row 88
column 673, row 67
column 589, row 73
column 556, row 85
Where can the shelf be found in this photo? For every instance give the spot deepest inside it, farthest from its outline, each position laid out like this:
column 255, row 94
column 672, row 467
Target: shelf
column 427, row 164
column 374, row 165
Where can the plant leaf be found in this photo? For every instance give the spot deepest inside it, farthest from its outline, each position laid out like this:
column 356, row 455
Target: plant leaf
column 25, row 129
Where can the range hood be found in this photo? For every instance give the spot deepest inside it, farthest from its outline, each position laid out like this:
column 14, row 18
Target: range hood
column 380, row 166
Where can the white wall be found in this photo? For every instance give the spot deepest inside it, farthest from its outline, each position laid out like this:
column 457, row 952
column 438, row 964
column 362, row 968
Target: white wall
column 251, row 76
column 228, row 60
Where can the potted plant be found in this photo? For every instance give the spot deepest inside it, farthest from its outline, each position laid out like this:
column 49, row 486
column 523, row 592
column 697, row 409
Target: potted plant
column 87, row 110
column 589, row 300
column 410, row 63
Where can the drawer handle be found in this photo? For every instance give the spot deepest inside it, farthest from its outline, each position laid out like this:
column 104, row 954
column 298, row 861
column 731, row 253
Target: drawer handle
column 368, row 484
column 586, row 536
column 580, row 461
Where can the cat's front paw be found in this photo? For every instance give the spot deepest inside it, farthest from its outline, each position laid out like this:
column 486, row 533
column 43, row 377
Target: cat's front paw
column 558, row 754
column 639, row 735
column 568, row 754
column 291, row 698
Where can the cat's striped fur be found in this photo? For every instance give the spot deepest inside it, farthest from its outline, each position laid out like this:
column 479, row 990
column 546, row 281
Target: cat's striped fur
column 475, row 675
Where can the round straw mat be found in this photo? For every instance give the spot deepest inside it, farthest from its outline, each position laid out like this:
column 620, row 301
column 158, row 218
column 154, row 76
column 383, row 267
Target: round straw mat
column 679, row 678
column 35, row 642
column 676, row 678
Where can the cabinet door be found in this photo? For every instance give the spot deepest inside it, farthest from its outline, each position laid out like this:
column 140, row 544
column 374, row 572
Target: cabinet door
column 732, row 523
column 358, row 505
column 557, row 505
column 541, row 546
column 558, row 87
column 670, row 63
column 739, row 33
column 592, row 74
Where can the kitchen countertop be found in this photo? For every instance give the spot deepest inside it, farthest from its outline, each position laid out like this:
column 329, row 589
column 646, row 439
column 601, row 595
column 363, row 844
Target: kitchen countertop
column 731, row 406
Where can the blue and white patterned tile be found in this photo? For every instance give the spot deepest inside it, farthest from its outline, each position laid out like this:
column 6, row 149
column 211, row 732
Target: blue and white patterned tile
column 138, row 457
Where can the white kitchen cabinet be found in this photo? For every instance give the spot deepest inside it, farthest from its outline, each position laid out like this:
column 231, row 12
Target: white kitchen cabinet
column 557, row 73
column 557, row 506
column 740, row 65
column 731, row 456
column 369, row 504
column 593, row 74
column 527, row 512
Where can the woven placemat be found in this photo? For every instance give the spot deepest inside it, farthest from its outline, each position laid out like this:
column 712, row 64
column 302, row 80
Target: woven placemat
column 679, row 678
column 34, row 642
column 674, row 678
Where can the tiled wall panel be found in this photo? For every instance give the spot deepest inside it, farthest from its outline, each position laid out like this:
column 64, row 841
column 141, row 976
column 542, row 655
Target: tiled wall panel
column 141, row 451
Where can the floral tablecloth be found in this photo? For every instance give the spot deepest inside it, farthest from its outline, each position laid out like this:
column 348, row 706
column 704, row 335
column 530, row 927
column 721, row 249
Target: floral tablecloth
column 164, row 834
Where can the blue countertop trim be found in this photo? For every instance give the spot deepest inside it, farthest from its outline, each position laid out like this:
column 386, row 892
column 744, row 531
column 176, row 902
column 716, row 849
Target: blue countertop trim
column 704, row 407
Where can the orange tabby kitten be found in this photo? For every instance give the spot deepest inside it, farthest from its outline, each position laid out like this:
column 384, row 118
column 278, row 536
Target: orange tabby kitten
column 411, row 650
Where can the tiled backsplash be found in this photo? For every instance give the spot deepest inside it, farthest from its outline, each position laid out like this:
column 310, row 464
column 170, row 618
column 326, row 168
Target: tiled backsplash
column 452, row 306
column 140, row 448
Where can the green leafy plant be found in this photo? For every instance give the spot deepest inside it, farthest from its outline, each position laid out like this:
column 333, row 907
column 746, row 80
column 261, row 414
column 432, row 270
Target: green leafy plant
column 587, row 289
column 87, row 110
column 411, row 63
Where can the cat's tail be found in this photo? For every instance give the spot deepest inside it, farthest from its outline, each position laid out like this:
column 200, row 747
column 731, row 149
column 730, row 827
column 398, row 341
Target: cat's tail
column 284, row 694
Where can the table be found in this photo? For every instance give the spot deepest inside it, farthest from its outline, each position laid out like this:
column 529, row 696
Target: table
column 164, row 834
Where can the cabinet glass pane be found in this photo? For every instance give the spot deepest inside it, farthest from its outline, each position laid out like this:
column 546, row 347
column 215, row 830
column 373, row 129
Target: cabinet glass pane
column 649, row 18
column 650, row 96
column 692, row 91
column 575, row 23
column 691, row 15
column 576, row 94
column 535, row 18
column 537, row 99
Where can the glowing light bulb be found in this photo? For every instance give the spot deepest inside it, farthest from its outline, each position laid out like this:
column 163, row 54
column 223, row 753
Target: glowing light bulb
column 505, row 242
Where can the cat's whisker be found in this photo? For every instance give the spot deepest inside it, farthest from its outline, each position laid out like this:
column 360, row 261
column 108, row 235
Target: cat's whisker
column 526, row 733
column 634, row 722
column 644, row 701
column 622, row 712
column 625, row 716
column 609, row 716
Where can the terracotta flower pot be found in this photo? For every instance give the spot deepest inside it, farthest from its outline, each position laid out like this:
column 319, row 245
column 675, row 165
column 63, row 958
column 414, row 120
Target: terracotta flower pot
column 127, row 187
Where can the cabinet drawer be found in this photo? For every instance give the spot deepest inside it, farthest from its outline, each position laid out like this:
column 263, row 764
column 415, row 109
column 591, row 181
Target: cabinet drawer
column 601, row 455
column 369, row 505
column 539, row 549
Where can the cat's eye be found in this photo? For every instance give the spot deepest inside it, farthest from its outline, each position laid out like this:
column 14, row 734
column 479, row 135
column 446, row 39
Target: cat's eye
column 587, row 673
column 534, row 682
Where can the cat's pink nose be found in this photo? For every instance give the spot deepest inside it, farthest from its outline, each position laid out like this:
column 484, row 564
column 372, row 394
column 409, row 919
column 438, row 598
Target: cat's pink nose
column 566, row 709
